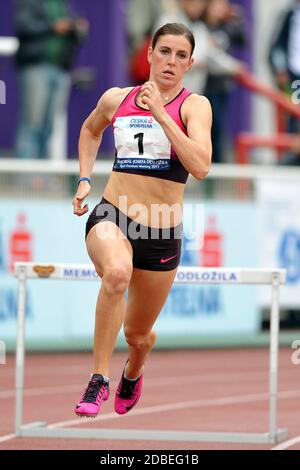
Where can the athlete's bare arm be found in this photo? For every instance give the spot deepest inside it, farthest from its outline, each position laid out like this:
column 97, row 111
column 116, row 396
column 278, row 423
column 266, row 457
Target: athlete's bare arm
column 90, row 140
column 194, row 150
column 94, row 126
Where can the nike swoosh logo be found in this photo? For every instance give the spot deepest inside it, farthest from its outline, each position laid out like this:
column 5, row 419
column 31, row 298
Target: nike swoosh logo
column 167, row 259
column 128, row 408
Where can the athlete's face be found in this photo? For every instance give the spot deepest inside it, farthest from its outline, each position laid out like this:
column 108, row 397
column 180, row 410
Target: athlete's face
column 170, row 59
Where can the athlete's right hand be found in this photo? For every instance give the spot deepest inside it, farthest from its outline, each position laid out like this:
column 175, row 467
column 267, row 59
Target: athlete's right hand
column 83, row 191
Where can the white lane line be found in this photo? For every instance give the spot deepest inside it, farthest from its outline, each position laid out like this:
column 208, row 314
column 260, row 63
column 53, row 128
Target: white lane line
column 155, row 381
column 8, row 437
column 162, row 408
column 285, row 445
column 46, row 372
column 37, row 371
column 35, row 392
column 233, row 400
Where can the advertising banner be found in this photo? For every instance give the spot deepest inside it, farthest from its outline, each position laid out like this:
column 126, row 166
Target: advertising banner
column 279, row 224
column 215, row 235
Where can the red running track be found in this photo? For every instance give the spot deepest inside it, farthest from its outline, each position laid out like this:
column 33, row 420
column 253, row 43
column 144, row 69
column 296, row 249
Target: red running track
column 211, row 390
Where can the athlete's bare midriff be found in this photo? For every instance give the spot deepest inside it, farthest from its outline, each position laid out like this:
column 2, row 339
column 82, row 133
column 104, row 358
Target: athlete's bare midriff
column 147, row 192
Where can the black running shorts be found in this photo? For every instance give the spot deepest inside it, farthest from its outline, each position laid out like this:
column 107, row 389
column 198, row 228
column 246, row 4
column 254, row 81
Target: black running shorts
column 154, row 249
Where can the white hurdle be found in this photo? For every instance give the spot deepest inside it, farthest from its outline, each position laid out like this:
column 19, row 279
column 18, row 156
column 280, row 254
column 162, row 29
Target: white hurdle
column 185, row 275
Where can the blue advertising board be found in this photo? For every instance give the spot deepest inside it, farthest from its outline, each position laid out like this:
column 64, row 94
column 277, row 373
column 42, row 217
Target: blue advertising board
column 47, row 232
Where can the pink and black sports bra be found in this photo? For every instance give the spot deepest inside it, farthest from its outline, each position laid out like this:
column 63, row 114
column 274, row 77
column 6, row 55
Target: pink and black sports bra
column 142, row 147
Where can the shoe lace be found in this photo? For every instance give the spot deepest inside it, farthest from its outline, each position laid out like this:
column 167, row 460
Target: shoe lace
column 94, row 388
column 127, row 388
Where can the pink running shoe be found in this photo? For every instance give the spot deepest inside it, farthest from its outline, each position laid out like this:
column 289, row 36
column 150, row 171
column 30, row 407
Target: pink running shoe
column 128, row 394
column 96, row 392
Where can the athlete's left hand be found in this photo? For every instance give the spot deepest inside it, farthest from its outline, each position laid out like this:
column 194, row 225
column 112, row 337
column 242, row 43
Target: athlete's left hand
column 83, row 191
column 151, row 97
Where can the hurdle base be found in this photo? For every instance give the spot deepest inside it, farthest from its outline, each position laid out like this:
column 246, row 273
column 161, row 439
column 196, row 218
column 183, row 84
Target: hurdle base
column 42, row 430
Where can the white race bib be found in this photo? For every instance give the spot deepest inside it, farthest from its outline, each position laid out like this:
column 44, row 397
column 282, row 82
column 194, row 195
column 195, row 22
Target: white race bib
column 141, row 144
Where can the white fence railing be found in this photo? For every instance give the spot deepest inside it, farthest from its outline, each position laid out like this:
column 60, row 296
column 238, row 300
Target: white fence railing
column 104, row 167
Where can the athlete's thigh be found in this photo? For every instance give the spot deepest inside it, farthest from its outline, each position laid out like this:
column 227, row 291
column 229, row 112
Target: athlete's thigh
column 147, row 294
column 107, row 246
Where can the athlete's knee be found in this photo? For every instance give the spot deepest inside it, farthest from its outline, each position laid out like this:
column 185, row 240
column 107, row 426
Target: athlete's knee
column 136, row 338
column 98, row 270
column 116, row 279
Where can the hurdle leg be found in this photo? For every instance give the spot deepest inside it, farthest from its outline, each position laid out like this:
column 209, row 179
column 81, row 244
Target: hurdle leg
column 20, row 351
column 273, row 378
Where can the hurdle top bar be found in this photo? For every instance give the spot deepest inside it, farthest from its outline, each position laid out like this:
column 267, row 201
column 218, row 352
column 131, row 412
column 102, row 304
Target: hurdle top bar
column 185, row 274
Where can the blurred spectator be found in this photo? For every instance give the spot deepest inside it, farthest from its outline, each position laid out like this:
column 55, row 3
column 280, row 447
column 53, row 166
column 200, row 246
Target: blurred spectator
column 49, row 35
column 226, row 26
column 207, row 55
column 285, row 63
column 141, row 17
column 285, row 49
